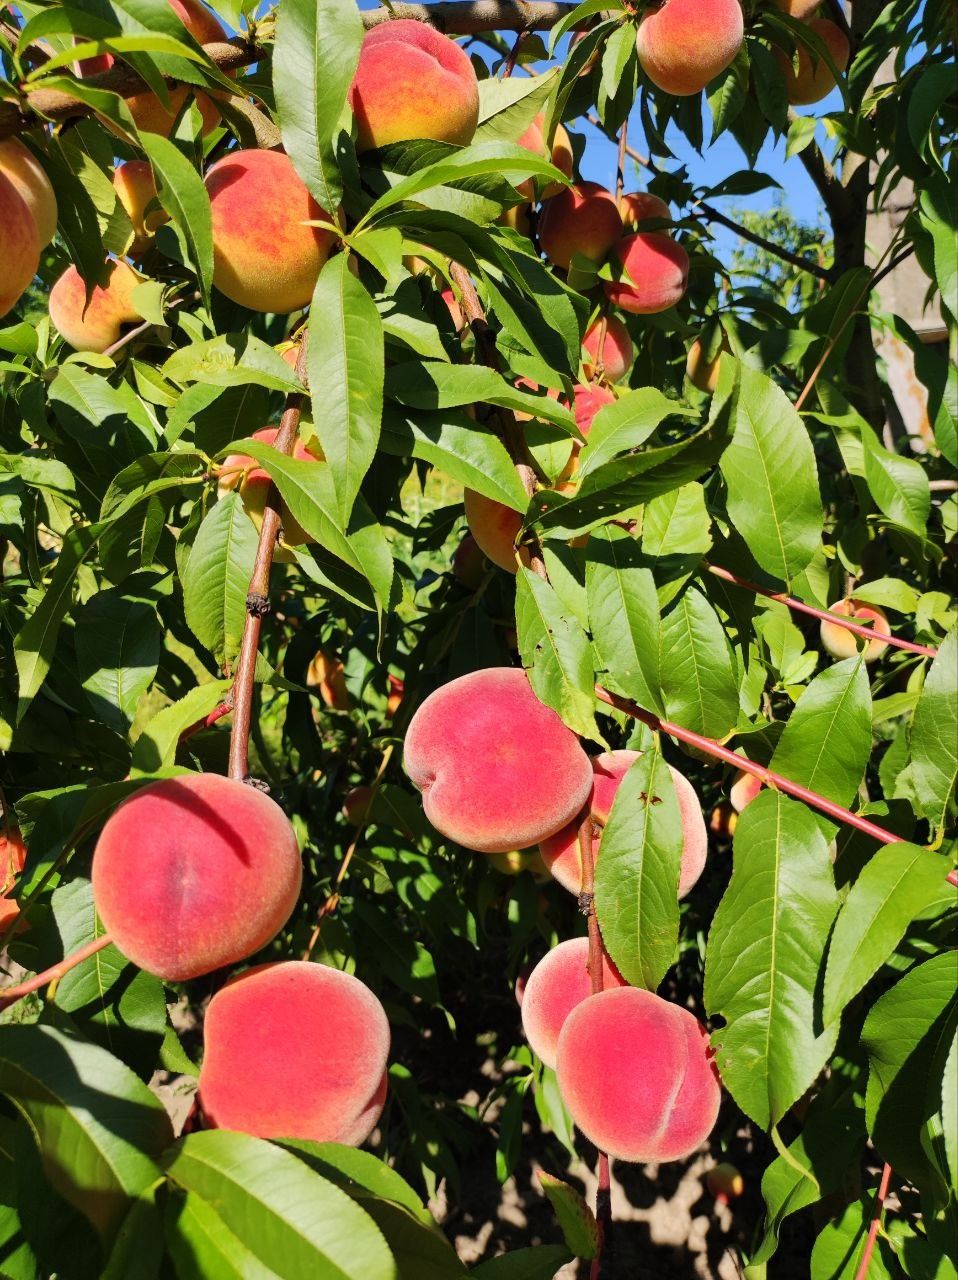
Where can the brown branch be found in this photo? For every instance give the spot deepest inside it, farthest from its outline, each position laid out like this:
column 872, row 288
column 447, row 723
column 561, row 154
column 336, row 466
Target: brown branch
column 472, row 17
column 875, row 1223
column 10, row 995
column 257, row 599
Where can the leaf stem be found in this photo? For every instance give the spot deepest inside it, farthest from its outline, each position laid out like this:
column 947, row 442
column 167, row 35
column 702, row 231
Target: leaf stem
column 883, row 1186
column 10, row 995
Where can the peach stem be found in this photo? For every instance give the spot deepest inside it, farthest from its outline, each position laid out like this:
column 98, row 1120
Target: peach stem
column 862, row 1271
column 208, row 721
column 925, row 650
column 10, row 995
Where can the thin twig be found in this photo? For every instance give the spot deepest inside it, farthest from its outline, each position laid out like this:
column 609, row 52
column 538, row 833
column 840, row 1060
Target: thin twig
column 207, row 722
column 10, row 995
column 127, row 338
column 862, row 1271
column 509, row 66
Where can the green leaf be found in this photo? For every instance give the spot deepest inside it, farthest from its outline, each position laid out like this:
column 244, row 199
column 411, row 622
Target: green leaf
column 231, row 360
column 624, row 615
column 507, row 107
column 346, row 364
column 202, row 1245
column 156, row 746
column 359, row 1173
column 697, row 667
column 217, row 575
column 764, row 958
column 314, row 60
column 939, row 217
column 555, row 652
column 118, row 643
column 183, row 195
column 934, row 735
column 293, row 1221
column 637, row 873
column 97, row 1127
column 676, row 534
column 772, row 478
column 838, row 1251
column 540, row 1262
column 626, row 424
column 898, row 485
column 445, row 386
column 579, row 1227
column 897, row 884
column 949, row 1112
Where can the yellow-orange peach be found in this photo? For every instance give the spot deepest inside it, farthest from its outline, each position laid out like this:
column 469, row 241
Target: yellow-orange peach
column 495, row 528
column 558, row 983
column 13, row 856
column 327, row 674
column 813, row 80
column 617, row 349
column 745, row 787
column 653, row 272
column 800, row 9
column 21, row 167
column 96, row 325
column 265, row 257
column 397, row 691
column 136, row 190
column 517, row 217
column 638, row 206
column 413, row 82
column 242, row 471
column 19, row 245
column 702, row 372
column 516, row 861
column 582, row 219
column 723, row 820
column 560, row 154
column 842, row 643
column 497, row 768
column 685, row 44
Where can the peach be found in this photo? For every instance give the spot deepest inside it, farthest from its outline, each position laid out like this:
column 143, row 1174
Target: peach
column 21, row 167
column 195, row 872
column 468, row 563
column 813, row 79
column 327, row 674
column 264, row 256
column 745, row 787
column 517, row 861
column 593, row 60
column 702, row 372
column 842, row 643
column 497, row 768
column 495, row 528
column 558, row 983
column 13, row 856
column 684, row 44
column 96, row 325
column 637, row 206
column 724, row 1182
column 561, row 850
column 290, row 354
column 135, row 188
column 637, row 1075
column 581, row 219
column 518, row 219
column 19, row 245
column 653, row 273
column 800, row 9
column 723, row 820
column 617, row 350
column 560, row 154
column 356, row 805
column 397, row 691
column 319, row 1041
column 413, row 82
column 147, row 110
column 454, row 309
column 587, row 400
column 239, row 469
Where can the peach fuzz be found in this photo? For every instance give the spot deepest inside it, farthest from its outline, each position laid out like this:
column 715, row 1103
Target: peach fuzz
column 637, row 206
column 745, row 787
column 319, row 1041
column 195, row 872
column 813, row 78
column 497, row 768
column 617, row 350
column 581, row 219
column 413, row 82
column 96, row 325
column 135, row 189
column 653, row 273
column 239, row 469
column 840, row 643
column 684, row 44
column 495, row 527
column 558, row 983
column 21, row 167
column 19, row 245
column 265, row 257
column 637, row 1075
column 561, row 851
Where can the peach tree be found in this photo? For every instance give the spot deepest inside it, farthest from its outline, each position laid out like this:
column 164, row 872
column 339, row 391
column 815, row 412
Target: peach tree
column 431, row 576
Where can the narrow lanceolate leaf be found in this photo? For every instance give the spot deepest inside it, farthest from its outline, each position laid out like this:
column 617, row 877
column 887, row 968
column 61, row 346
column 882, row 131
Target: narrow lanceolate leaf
column 934, row 735
column 216, row 577
column 949, row 1113
column 201, row 1244
column 314, row 60
column 538, row 1262
column 625, row 425
column 772, row 479
column 118, row 643
column 289, row 1218
column 576, row 1219
column 556, row 653
column 156, row 746
column 764, row 958
column 97, row 1127
column 346, row 368
column 697, row 667
column 624, row 615
column 828, row 738
column 899, row 883
column 183, row 195
column 637, row 873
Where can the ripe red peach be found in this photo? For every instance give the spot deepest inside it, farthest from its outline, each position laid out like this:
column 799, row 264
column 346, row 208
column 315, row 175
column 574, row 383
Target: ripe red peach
column 96, row 325
column 813, row 80
column 327, row 674
column 560, row 155
column 497, row 768
column 587, row 400
column 454, row 309
column 745, row 787
column 581, row 219
column 319, row 1041
column 195, row 872
column 653, row 273
column 638, row 206
column 356, row 804
column 561, row 851
column 13, row 856
column 558, row 983
column 495, row 528
column 264, row 256
column 239, row 469
column 19, row 245
column 637, row 1075
column 842, row 643
column 617, row 351
column 21, row 167
column 135, row 187
column 413, row 82
column 468, row 565
column 685, row 44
